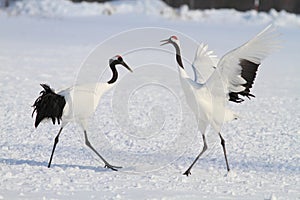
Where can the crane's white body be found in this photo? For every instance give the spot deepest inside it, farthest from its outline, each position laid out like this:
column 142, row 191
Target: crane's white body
column 82, row 101
column 208, row 109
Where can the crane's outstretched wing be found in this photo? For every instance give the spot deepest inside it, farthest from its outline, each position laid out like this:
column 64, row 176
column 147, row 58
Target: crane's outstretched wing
column 204, row 63
column 237, row 69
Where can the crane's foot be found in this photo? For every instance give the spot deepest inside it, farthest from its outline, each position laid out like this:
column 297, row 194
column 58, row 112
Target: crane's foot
column 114, row 168
column 187, row 172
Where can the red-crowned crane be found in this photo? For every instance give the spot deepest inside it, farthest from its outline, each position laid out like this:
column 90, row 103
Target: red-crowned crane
column 216, row 84
column 75, row 104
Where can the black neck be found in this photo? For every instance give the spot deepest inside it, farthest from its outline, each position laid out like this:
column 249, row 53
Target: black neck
column 178, row 56
column 114, row 75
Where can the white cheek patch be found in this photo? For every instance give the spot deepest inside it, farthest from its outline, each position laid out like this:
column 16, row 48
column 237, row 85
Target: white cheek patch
column 114, row 58
column 175, row 41
column 111, row 60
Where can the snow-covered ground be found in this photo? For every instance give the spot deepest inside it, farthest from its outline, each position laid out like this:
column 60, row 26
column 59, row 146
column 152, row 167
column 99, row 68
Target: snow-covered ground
column 50, row 42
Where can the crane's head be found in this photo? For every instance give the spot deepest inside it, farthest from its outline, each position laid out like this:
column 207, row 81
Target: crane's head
column 172, row 40
column 118, row 60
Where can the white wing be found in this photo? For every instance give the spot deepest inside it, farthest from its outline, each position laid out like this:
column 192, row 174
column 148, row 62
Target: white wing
column 204, row 63
column 237, row 69
column 235, row 74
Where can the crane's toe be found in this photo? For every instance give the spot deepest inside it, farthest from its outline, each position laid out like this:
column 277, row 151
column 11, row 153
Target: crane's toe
column 187, row 173
column 114, row 168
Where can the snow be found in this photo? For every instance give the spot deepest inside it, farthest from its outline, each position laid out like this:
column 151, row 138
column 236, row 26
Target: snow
column 63, row 8
column 143, row 124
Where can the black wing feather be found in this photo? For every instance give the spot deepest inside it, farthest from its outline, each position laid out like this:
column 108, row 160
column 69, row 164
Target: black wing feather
column 48, row 105
column 249, row 70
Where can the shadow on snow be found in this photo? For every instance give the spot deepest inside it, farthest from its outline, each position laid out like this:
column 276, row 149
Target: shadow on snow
column 45, row 164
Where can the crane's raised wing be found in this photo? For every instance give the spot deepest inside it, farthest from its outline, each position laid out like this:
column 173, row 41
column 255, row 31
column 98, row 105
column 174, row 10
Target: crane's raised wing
column 204, row 63
column 237, row 69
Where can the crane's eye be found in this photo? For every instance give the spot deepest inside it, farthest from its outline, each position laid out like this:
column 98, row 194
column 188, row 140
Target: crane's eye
column 120, row 59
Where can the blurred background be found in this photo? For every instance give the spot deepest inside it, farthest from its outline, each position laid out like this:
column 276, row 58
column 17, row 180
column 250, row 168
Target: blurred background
column 259, row 5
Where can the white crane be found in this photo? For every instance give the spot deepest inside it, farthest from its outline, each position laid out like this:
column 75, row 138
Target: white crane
column 75, row 104
column 216, row 84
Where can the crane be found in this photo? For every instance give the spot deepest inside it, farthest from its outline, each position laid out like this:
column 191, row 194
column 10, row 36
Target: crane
column 75, row 104
column 217, row 82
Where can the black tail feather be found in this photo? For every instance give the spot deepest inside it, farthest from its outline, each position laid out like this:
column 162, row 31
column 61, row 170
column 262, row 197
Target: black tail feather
column 248, row 72
column 48, row 105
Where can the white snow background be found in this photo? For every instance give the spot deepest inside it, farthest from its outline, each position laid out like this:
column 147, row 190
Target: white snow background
column 46, row 41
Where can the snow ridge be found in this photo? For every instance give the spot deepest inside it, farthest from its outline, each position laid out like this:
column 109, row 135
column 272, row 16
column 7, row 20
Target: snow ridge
column 63, row 8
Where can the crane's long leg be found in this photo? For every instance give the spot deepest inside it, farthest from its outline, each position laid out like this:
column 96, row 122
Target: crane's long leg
column 224, row 150
column 107, row 165
column 188, row 171
column 54, row 146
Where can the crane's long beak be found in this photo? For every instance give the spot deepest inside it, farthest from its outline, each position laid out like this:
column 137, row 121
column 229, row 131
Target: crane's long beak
column 166, row 41
column 126, row 66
